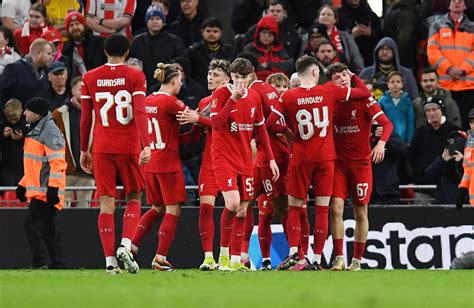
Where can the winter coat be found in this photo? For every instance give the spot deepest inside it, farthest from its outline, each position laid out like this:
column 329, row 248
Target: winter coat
column 451, row 109
column 401, row 115
column 94, row 55
column 468, row 165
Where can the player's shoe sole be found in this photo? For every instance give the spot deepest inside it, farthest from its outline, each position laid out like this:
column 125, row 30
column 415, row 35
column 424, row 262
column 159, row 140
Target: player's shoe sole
column 266, row 266
column 126, row 256
column 111, row 270
column 238, row 267
column 209, row 264
column 161, row 265
column 288, row 262
column 338, row 264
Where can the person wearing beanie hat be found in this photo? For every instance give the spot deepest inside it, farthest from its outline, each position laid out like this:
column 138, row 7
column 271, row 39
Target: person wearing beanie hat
column 86, row 51
column 154, row 10
column 44, row 149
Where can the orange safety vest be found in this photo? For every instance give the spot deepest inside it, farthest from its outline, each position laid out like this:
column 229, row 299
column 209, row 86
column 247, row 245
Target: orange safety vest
column 44, row 161
column 447, row 48
column 468, row 165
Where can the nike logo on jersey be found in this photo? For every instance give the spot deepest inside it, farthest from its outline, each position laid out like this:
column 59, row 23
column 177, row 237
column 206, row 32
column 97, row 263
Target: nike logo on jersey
column 234, row 110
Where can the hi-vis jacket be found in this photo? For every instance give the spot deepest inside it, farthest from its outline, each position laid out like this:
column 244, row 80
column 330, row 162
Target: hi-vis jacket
column 468, row 165
column 447, row 48
column 44, row 161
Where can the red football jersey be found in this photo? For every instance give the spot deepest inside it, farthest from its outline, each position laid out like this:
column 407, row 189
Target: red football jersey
column 204, row 109
column 308, row 113
column 353, row 126
column 163, row 128
column 231, row 142
column 279, row 144
column 116, row 94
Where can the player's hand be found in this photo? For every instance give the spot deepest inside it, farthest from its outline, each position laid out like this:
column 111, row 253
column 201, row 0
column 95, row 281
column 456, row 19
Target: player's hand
column 238, row 91
column 462, row 194
column 21, row 193
column 188, row 116
column 145, row 155
column 275, row 170
column 378, row 152
column 290, row 137
column 351, row 74
column 86, row 162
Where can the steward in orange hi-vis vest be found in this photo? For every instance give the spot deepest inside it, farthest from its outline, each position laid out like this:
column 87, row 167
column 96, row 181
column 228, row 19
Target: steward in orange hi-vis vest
column 466, row 187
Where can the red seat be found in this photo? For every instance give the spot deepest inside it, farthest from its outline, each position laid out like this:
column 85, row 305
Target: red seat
column 9, row 199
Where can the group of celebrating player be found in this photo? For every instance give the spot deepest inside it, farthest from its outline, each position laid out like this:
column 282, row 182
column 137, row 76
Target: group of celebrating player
column 310, row 135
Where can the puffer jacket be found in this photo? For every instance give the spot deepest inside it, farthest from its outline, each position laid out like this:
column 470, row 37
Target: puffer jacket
column 468, row 165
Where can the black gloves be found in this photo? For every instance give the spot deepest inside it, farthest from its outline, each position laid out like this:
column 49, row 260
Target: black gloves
column 21, row 193
column 461, row 198
column 52, row 197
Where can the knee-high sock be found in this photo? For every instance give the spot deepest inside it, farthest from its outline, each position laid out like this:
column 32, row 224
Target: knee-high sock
column 304, row 230
column 106, row 225
column 237, row 236
column 144, row 225
column 320, row 228
column 166, row 234
column 227, row 224
column 248, row 228
column 265, row 234
column 131, row 217
column 206, row 226
column 294, row 226
column 338, row 246
column 359, row 249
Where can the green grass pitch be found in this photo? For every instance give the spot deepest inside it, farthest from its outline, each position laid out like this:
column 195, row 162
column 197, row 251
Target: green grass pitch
column 191, row 288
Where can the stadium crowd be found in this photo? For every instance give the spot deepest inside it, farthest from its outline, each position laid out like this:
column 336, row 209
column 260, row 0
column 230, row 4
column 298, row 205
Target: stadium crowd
column 418, row 62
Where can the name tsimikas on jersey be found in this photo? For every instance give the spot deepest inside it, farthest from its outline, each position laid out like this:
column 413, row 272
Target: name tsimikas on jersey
column 111, row 82
column 310, row 100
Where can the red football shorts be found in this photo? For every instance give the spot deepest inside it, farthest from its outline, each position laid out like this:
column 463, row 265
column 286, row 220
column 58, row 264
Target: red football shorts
column 228, row 180
column 265, row 206
column 108, row 166
column 353, row 178
column 165, row 188
column 263, row 183
column 207, row 182
column 319, row 174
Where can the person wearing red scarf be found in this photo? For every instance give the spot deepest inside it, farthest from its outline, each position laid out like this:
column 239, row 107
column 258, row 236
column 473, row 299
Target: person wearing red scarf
column 33, row 28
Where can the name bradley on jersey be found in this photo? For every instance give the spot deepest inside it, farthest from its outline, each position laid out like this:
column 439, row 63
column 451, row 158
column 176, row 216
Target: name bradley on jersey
column 310, row 100
column 111, row 82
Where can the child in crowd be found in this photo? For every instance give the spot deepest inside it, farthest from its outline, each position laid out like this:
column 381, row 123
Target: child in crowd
column 398, row 107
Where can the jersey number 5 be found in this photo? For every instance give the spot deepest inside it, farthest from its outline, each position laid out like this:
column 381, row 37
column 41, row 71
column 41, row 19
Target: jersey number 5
column 123, row 110
column 307, row 121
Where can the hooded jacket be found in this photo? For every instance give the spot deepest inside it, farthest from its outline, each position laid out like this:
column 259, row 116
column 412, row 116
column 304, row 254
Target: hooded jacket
column 401, row 115
column 379, row 79
column 276, row 57
column 451, row 108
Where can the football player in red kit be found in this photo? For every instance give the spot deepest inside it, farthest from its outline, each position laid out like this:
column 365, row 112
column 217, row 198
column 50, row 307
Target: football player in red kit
column 115, row 93
column 165, row 189
column 308, row 111
column 276, row 191
column 217, row 76
column 353, row 173
column 235, row 112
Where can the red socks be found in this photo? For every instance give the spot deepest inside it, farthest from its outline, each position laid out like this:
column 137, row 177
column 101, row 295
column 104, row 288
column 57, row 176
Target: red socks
column 227, row 224
column 237, row 236
column 106, row 226
column 166, row 234
column 320, row 228
column 338, row 246
column 265, row 234
column 206, row 226
column 359, row 249
column 304, row 230
column 248, row 228
column 294, row 226
column 144, row 225
column 131, row 217
column 284, row 223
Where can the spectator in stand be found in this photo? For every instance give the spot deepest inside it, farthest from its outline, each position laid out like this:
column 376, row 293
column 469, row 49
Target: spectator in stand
column 269, row 50
column 428, row 144
column 33, row 28
column 398, row 107
column 466, row 187
column 135, row 63
column 7, row 50
column 24, row 78
column 85, row 50
column 245, row 14
column 105, row 17
column 187, row 27
column 326, row 54
column 342, row 40
column 431, row 91
column 386, row 60
column 11, row 143
column 280, row 81
column 67, row 118
column 140, row 27
column 54, row 37
column 14, row 13
column 56, row 91
column 401, row 24
column 385, row 174
column 450, row 50
column 357, row 18
column 305, row 11
column 57, row 11
column 317, row 33
column 287, row 34
column 149, row 46
column 210, row 47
